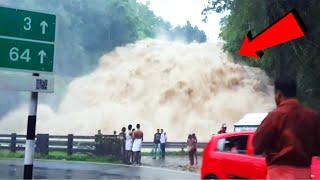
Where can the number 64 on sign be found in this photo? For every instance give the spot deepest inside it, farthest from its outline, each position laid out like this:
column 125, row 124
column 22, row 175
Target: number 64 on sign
column 26, row 55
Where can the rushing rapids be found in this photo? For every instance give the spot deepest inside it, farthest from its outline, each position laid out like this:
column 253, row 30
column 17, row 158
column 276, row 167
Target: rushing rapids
column 182, row 88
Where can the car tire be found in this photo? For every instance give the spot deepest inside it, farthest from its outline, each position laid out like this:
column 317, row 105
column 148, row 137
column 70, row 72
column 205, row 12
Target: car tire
column 211, row 176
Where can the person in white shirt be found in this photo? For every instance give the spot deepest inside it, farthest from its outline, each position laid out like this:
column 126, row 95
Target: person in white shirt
column 163, row 141
column 129, row 145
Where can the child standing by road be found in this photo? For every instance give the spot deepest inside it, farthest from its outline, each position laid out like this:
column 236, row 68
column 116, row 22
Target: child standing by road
column 191, row 149
column 194, row 137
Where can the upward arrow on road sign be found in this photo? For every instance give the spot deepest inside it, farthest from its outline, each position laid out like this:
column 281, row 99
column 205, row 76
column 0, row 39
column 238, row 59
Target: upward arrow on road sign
column 44, row 25
column 42, row 55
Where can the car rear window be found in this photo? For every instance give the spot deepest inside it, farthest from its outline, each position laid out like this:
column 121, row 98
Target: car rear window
column 234, row 144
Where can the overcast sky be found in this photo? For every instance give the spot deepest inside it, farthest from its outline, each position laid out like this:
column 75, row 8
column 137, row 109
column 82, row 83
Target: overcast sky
column 178, row 12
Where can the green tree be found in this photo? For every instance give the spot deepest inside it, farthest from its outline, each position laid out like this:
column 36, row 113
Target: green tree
column 298, row 59
column 189, row 33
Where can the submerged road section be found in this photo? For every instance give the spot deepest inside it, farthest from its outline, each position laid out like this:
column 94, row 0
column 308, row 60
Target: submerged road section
column 53, row 169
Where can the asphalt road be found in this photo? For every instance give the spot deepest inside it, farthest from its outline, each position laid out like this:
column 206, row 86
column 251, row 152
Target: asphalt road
column 51, row 169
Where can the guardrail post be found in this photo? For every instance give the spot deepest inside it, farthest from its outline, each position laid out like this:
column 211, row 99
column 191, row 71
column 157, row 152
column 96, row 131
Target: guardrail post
column 98, row 143
column 70, row 144
column 182, row 147
column 42, row 144
column 13, row 142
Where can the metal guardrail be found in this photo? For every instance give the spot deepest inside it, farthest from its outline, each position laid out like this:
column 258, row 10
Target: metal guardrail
column 70, row 143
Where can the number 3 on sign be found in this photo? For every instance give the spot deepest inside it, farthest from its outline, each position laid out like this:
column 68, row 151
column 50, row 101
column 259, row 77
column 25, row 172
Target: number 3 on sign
column 27, row 26
column 14, row 54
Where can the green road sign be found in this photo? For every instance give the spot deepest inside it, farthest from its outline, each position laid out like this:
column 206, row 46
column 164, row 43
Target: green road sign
column 26, row 40
column 26, row 55
column 27, row 24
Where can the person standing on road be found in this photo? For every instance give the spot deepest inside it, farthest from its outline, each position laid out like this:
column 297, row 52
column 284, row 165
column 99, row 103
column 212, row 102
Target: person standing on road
column 137, row 144
column 191, row 149
column 132, row 155
column 223, row 129
column 129, row 142
column 156, row 142
column 163, row 141
column 194, row 137
column 122, row 136
column 289, row 135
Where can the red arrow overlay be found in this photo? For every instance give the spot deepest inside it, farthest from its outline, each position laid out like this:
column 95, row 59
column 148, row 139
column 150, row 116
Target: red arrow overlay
column 287, row 28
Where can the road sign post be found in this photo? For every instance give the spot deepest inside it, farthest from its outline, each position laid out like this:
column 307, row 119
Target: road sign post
column 31, row 132
column 27, row 44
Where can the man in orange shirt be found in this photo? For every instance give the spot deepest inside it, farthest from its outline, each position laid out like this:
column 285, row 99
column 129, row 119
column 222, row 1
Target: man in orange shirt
column 289, row 136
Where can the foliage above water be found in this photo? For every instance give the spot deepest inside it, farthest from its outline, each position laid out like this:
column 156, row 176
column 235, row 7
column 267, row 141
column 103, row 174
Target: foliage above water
column 298, row 59
column 87, row 29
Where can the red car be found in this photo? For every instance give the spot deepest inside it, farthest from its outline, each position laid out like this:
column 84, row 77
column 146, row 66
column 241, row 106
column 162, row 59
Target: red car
column 231, row 155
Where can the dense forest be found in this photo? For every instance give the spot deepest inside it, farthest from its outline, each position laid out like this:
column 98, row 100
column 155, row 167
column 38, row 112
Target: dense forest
column 88, row 29
column 299, row 59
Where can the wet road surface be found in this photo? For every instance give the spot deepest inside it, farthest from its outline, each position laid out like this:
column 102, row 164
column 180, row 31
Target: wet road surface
column 172, row 162
column 51, row 169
